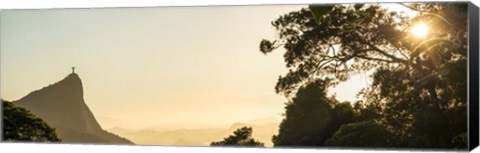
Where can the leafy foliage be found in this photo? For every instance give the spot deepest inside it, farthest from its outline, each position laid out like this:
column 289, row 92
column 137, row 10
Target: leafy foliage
column 311, row 117
column 343, row 41
column 320, row 11
column 21, row 125
column 240, row 137
column 306, row 118
column 362, row 134
column 348, row 40
column 419, row 89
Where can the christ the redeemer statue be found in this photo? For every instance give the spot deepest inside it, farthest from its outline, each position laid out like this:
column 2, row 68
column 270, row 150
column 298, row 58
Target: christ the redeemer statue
column 73, row 69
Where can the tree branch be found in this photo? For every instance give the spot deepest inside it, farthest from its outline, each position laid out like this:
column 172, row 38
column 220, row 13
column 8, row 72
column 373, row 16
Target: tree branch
column 378, row 50
column 415, row 50
column 412, row 8
column 376, row 59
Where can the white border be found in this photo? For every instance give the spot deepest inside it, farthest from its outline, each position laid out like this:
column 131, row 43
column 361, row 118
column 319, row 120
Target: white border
column 61, row 148
column 33, row 4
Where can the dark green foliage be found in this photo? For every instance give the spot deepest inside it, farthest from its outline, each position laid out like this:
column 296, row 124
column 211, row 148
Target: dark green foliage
column 362, row 134
column 266, row 46
column 342, row 113
column 418, row 119
column 344, row 40
column 311, row 117
column 366, row 111
column 419, row 91
column 460, row 141
column 320, row 11
column 440, row 128
column 240, row 137
column 306, row 118
column 21, row 125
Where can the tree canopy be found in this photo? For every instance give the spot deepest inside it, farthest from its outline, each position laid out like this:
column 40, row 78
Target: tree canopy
column 418, row 91
column 240, row 137
column 307, row 117
column 349, row 39
column 21, row 125
column 362, row 134
column 311, row 117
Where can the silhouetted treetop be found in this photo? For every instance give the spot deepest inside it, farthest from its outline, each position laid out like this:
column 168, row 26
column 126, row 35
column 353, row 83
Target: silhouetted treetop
column 418, row 94
column 348, row 39
column 311, row 117
column 240, row 137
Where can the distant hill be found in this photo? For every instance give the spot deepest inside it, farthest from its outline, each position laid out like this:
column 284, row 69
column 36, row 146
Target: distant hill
column 61, row 105
column 185, row 137
column 262, row 131
column 183, row 142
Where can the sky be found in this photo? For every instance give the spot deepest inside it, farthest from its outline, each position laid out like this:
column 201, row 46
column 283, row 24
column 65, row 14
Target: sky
column 164, row 67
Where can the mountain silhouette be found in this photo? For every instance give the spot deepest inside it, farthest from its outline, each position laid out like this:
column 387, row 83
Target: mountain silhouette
column 62, row 106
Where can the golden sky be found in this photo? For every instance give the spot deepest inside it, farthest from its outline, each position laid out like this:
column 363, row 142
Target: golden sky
column 154, row 67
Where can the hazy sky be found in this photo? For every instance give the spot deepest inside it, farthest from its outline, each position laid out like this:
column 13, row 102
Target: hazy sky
column 153, row 67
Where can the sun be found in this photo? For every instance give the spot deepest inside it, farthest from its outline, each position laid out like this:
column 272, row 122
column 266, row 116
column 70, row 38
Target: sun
column 420, row 30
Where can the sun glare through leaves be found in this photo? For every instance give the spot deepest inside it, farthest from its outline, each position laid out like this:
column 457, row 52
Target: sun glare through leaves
column 420, row 30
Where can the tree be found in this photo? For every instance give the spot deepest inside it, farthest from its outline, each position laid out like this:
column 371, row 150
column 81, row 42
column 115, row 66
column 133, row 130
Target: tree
column 21, row 125
column 363, row 134
column 341, row 42
column 307, row 116
column 240, row 137
column 419, row 83
column 413, row 115
column 311, row 117
column 350, row 39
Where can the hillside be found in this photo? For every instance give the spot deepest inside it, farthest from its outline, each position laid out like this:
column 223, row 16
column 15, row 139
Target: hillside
column 62, row 106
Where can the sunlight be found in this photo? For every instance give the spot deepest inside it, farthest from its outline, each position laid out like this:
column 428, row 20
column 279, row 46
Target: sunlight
column 420, row 30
